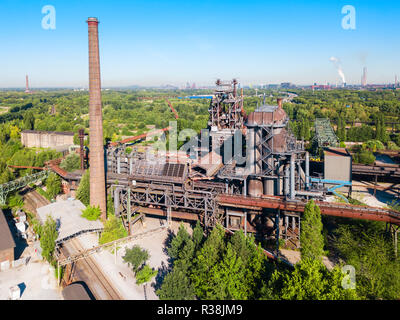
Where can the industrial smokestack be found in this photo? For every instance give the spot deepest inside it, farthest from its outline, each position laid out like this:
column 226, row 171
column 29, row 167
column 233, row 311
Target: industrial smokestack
column 27, row 84
column 97, row 175
column 364, row 77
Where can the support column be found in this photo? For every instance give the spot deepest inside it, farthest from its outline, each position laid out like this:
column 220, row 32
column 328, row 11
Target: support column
column 128, row 209
column 168, row 216
column 292, row 177
column 286, row 187
column 277, row 219
column 245, row 223
column 116, row 201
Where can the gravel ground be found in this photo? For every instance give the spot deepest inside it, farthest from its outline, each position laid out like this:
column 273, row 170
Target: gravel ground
column 119, row 274
column 36, row 281
column 293, row 257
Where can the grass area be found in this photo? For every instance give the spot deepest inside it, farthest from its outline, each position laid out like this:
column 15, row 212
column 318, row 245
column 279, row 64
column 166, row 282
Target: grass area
column 4, row 109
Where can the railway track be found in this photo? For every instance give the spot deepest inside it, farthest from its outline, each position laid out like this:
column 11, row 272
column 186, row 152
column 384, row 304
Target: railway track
column 34, row 200
column 88, row 271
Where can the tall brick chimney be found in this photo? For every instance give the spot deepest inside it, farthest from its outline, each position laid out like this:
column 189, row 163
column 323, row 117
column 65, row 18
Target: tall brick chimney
column 97, row 171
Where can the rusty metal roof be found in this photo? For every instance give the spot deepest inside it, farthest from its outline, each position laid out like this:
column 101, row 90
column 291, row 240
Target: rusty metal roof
column 267, row 115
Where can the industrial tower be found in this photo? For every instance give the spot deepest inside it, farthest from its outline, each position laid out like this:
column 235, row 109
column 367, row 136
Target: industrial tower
column 97, row 172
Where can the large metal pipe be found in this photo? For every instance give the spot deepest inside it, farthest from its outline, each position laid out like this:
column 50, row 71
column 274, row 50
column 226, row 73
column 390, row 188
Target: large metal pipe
column 292, row 177
column 307, row 171
column 97, row 172
column 286, row 188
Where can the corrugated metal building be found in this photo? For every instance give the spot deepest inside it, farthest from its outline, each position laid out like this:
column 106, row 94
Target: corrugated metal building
column 338, row 165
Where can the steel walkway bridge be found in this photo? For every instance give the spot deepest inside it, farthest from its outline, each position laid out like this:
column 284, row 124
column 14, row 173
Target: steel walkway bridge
column 7, row 188
column 324, row 134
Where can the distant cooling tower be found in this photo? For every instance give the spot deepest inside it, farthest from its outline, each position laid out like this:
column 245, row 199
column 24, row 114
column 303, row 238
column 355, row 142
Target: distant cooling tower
column 97, row 172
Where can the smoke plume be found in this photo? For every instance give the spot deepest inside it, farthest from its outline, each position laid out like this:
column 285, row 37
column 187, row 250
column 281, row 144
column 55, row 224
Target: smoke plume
column 338, row 66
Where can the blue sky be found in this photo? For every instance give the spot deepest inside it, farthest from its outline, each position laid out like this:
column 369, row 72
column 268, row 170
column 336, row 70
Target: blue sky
column 173, row 42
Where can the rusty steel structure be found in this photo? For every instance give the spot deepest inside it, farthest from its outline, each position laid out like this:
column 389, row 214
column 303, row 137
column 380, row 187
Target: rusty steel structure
column 81, row 148
column 262, row 190
column 266, row 196
column 97, row 171
column 225, row 114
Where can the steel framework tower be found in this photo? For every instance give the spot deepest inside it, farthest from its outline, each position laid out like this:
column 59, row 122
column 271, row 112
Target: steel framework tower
column 97, row 172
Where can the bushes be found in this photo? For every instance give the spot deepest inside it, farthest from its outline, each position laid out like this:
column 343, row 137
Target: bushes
column 53, row 185
column 83, row 192
column 373, row 145
column 310, row 280
column 311, row 238
column 145, row 274
column 113, row 230
column 365, row 246
column 364, row 157
column 48, row 237
column 71, row 162
column 91, row 213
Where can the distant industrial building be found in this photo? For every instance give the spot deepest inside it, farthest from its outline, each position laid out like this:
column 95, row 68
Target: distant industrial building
column 7, row 243
column 287, row 85
column 321, row 87
column 46, row 139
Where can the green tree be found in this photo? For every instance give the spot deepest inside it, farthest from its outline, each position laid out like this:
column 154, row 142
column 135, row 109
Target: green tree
column 227, row 279
column 29, row 121
column 145, row 274
column 365, row 246
column 209, row 255
column 178, row 242
column 176, row 286
column 71, row 162
column 311, row 238
column 198, row 235
column 310, row 280
column 48, row 237
column 136, row 257
column 83, row 192
column 53, row 185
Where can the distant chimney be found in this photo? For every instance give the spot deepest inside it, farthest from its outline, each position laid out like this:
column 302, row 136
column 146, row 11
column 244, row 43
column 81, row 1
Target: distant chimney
column 96, row 147
column 27, row 84
column 279, row 103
